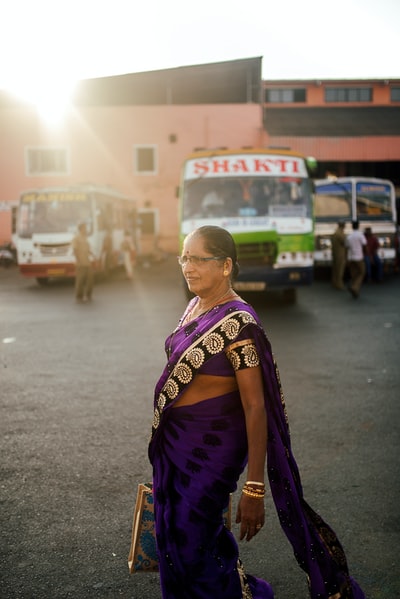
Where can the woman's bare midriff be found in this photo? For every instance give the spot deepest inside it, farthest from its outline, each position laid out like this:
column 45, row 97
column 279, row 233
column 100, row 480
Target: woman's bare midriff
column 205, row 386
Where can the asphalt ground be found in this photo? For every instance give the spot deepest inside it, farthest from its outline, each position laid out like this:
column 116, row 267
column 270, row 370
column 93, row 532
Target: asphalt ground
column 76, row 386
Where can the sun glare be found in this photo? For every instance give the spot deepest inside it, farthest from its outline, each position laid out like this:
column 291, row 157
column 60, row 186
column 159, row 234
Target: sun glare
column 49, row 95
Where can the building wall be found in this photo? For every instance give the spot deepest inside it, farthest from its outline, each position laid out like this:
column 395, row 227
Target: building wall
column 356, row 149
column 315, row 90
column 5, row 222
column 101, row 140
column 351, row 137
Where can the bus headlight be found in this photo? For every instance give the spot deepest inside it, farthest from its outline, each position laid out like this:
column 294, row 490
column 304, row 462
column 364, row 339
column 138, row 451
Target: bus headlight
column 385, row 242
column 324, row 243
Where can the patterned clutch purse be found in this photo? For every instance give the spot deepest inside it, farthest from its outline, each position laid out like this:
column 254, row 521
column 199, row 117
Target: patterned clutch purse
column 143, row 553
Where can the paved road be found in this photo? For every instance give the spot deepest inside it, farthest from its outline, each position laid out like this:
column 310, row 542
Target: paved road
column 76, row 385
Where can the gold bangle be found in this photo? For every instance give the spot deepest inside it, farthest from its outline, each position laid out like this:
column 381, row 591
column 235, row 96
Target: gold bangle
column 253, row 482
column 251, row 494
column 254, row 489
column 254, row 495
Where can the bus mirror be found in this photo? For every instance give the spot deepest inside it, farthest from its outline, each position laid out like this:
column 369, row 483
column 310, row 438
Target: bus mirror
column 312, row 164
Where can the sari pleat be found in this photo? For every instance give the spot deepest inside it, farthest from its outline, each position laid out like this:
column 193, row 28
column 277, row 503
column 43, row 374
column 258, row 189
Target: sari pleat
column 192, row 489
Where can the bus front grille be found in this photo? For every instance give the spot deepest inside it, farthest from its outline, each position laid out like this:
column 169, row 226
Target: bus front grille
column 257, row 253
column 52, row 251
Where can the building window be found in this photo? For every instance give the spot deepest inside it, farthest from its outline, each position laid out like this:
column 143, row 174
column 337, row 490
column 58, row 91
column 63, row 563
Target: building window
column 395, row 94
column 47, row 161
column 348, row 94
column 145, row 159
column 285, row 96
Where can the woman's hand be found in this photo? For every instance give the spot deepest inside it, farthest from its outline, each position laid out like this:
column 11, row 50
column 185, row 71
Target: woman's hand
column 251, row 516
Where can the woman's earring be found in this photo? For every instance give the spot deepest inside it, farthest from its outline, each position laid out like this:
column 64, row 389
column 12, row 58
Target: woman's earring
column 226, row 273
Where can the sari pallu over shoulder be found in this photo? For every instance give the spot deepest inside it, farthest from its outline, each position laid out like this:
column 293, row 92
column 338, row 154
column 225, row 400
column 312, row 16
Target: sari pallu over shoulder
column 315, row 545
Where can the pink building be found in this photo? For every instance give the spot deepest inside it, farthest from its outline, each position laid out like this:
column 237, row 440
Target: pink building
column 352, row 127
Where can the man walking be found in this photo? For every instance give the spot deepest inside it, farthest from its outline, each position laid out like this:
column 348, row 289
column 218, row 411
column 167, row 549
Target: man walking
column 356, row 244
column 84, row 277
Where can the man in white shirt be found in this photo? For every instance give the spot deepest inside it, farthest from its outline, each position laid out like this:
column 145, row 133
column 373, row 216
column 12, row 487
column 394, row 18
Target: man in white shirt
column 356, row 244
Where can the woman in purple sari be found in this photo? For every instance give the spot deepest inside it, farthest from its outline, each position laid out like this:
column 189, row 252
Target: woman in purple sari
column 218, row 408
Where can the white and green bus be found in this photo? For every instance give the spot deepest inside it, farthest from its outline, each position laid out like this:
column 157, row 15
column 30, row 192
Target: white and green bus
column 264, row 197
column 47, row 222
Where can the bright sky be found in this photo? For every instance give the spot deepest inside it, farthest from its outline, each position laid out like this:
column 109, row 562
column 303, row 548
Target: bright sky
column 61, row 41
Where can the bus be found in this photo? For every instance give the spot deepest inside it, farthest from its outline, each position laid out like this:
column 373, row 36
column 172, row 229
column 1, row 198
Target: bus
column 47, row 222
column 371, row 201
column 264, row 198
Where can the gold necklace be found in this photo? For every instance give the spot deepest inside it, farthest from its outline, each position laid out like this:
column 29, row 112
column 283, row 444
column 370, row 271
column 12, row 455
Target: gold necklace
column 189, row 317
column 192, row 314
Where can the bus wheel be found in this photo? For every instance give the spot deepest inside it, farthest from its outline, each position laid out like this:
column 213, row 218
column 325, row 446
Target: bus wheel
column 290, row 295
column 42, row 281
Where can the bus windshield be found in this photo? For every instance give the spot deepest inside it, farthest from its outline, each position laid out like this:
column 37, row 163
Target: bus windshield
column 224, row 197
column 55, row 212
column 374, row 201
column 333, row 202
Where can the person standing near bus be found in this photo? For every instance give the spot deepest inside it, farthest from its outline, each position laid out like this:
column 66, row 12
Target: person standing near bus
column 107, row 253
column 372, row 259
column 338, row 256
column 356, row 244
column 129, row 254
column 84, row 276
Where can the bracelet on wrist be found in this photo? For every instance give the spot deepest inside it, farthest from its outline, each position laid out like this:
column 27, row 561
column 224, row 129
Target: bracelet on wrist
column 249, row 493
column 258, row 490
column 253, row 482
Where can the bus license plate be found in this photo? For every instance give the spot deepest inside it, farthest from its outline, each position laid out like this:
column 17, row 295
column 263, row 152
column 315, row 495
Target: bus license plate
column 54, row 272
column 250, row 285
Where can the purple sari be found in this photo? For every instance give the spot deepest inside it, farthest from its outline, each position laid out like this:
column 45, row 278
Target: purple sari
column 198, row 453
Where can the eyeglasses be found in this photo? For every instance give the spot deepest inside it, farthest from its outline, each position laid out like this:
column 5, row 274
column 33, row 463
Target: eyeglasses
column 197, row 260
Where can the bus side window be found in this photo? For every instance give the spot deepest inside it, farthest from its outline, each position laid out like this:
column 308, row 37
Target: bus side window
column 103, row 213
column 192, row 202
column 100, row 220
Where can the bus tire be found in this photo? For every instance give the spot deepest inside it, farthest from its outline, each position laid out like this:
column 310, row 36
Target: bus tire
column 42, row 281
column 290, row 295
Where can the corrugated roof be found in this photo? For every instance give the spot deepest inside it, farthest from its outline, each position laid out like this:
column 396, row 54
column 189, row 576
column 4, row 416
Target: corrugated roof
column 237, row 81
